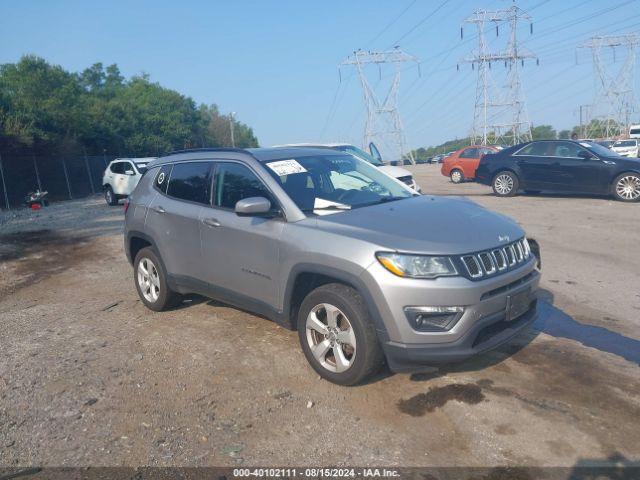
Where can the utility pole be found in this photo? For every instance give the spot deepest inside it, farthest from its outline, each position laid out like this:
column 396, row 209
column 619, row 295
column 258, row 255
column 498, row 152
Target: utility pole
column 383, row 125
column 491, row 105
column 231, row 128
column 614, row 101
column 584, row 120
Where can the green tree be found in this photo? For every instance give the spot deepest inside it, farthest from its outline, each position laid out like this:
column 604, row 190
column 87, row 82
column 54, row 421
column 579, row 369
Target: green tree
column 44, row 109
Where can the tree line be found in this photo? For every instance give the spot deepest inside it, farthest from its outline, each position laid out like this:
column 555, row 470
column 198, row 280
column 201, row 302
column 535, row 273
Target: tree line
column 596, row 129
column 45, row 109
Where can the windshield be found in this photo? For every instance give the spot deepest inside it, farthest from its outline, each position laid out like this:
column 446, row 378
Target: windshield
column 625, row 143
column 599, row 149
column 360, row 154
column 329, row 184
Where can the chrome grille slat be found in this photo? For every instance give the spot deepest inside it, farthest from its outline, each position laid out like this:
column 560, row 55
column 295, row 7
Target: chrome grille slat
column 484, row 264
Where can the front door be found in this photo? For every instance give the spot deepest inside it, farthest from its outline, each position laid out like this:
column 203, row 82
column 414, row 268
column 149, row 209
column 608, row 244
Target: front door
column 240, row 253
column 579, row 170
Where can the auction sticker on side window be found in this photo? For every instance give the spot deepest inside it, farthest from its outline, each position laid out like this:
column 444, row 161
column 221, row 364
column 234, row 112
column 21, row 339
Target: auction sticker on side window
column 286, row 167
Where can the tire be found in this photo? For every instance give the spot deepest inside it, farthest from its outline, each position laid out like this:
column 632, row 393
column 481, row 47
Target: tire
column 110, row 197
column 456, row 176
column 626, row 187
column 505, row 184
column 353, row 337
column 157, row 296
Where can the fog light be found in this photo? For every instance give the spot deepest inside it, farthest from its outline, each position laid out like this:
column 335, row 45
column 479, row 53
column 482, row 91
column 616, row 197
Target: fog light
column 433, row 319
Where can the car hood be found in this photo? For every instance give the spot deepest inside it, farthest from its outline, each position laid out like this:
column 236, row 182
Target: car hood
column 395, row 172
column 425, row 224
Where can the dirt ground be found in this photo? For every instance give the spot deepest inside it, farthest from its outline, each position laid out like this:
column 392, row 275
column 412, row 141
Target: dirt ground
column 88, row 376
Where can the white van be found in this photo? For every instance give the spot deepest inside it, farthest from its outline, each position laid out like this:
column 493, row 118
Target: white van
column 634, row 131
column 121, row 176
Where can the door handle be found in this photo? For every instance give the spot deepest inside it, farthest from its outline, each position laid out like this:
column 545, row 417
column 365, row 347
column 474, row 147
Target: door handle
column 159, row 209
column 211, row 222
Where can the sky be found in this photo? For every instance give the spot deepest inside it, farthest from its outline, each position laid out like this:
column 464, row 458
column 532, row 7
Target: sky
column 275, row 63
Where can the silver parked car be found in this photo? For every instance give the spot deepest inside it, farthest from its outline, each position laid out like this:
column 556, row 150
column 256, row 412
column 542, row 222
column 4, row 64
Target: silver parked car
column 323, row 242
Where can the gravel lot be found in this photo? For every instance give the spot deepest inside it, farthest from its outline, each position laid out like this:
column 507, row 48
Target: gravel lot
column 88, row 376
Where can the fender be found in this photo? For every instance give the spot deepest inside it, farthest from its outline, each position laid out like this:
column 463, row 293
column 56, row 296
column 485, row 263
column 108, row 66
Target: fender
column 340, row 275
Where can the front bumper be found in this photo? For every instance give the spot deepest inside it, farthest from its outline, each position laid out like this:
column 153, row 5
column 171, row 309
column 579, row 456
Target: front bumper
column 482, row 326
column 485, row 335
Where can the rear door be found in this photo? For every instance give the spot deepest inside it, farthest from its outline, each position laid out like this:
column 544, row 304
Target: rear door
column 117, row 178
column 241, row 253
column 469, row 159
column 536, row 165
column 130, row 178
column 174, row 216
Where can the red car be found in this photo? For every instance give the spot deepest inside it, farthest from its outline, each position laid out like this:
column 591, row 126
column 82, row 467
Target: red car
column 461, row 165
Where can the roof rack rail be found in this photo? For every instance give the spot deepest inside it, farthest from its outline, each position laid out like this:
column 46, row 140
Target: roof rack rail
column 207, row 149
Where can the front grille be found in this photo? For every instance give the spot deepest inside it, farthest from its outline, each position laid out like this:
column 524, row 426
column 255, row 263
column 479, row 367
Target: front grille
column 490, row 262
column 408, row 180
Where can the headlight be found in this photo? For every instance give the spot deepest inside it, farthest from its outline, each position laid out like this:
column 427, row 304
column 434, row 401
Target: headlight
column 416, row 266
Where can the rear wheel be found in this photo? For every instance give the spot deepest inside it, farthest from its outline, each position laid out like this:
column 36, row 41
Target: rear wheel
column 151, row 281
column 505, row 184
column 110, row 197
column 337, row 337
column 626, row 187
column 456, row 176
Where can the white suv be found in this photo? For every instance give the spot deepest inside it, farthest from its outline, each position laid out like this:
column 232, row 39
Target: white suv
column 627, row 147
column 121, row 177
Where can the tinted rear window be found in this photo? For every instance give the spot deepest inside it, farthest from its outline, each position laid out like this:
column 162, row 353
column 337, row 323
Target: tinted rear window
column 191, row 182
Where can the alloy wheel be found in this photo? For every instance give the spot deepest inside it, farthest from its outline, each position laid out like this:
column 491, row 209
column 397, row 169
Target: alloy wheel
column 503, row 184
column 331, row 337
column 148, row 280
column 628, row 187
column 456, row 176
column 107, row 195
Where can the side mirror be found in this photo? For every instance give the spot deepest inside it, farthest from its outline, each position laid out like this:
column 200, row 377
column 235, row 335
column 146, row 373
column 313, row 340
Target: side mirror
column 129, row 172
column 253, row 206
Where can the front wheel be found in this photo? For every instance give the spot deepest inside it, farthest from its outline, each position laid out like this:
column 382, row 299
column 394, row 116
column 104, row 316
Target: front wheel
column 337, row 336
column 626, row 187
column 505, row 184
column 456, row 176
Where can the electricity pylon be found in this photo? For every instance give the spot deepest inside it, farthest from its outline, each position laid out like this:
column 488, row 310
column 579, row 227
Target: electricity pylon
column 492, row 104
column 383, row 125
column 615, row 101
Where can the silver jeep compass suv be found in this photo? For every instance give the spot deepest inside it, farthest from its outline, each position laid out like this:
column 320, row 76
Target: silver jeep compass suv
column 320, row 241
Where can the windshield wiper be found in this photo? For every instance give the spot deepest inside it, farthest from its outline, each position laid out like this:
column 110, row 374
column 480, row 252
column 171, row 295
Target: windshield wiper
column 328, row 207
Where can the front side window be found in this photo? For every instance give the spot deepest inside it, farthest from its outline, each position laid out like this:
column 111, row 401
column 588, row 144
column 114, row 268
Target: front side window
column 191, row 182
column 567, row 149
column 322, row 184
column 235, row 182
